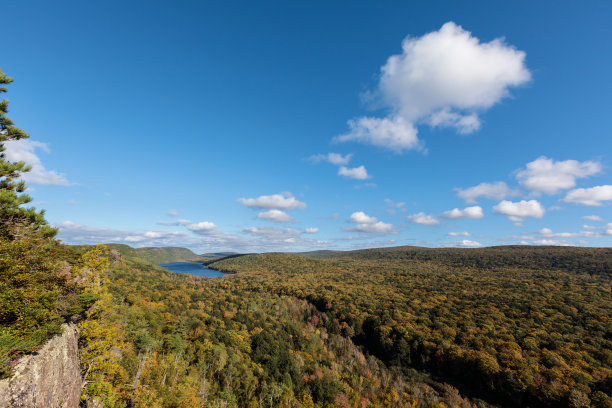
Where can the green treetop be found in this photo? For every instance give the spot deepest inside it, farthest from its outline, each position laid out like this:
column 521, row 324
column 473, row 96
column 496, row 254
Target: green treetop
column 16, row 221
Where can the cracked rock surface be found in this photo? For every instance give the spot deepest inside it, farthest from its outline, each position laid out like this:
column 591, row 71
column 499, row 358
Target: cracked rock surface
column 48, row 378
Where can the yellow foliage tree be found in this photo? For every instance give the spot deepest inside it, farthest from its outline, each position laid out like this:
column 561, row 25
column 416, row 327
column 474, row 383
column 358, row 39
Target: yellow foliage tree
column 101, row 340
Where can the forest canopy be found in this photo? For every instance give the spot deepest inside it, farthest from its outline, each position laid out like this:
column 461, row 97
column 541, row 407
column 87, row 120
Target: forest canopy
column 512, row 325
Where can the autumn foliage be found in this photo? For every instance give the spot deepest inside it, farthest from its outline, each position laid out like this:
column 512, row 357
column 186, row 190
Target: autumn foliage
column 516, row 326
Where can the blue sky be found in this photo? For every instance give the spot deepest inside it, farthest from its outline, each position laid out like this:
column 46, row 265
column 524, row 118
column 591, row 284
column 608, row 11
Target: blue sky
column 264, row 126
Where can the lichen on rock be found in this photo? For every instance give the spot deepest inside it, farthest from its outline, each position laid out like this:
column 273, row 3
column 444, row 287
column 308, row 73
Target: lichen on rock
column 48, row 378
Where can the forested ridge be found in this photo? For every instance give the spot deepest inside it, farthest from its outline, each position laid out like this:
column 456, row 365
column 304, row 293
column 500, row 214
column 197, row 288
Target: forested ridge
column 154, row 255
column 291, row 331
column 584, row 260
column 516, row 326
column 185, row 341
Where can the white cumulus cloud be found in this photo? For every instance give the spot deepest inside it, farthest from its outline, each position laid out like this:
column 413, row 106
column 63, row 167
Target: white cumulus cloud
column 590, row 196
column 368, row 225
column 423, row 219
column 444, row 78
column 517, row 211
column 359, row 217
column 495, row 191
column 474, row 212
column 24, row 150
column 284, row 201
column 311, row 230
column 275, row 215
column 203, row 227
column 545, row 175
column 358, row 173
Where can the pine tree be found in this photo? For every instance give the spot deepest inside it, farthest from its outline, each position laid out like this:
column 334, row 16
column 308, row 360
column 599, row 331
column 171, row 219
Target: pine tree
column 16, row 221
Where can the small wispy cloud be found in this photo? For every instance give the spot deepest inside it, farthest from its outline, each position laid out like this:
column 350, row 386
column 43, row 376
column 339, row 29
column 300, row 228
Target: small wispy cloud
column 494, row 191
column 593, row 218
column 458, row 234
column 174, row 223
column 333, row 158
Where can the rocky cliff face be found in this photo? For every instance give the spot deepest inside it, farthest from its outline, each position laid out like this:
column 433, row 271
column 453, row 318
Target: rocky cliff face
column 49, row 378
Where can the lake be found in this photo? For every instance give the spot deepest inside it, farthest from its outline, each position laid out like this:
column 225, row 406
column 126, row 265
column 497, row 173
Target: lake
column 193, row 268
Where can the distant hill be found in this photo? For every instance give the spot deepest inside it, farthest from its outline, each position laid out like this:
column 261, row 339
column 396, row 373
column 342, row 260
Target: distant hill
column 591, row 260
column 324, row 254
column 218, row 254
column 157, row 255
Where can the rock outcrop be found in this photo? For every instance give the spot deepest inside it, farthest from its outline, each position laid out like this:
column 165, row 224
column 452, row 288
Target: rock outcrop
column 49, row 378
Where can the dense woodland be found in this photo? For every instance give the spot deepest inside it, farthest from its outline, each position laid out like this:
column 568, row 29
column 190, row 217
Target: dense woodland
column 153, row 338
column 353, row 330
column 185, row 341
column 485, row 320
column 584, row 260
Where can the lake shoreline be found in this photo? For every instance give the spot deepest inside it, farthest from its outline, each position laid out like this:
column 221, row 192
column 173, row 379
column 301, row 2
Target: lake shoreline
column 193, row 268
